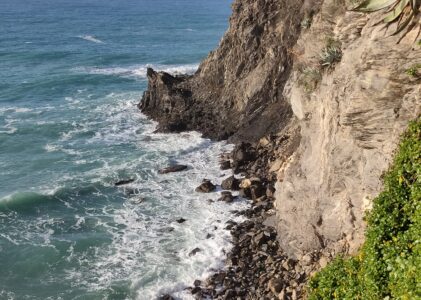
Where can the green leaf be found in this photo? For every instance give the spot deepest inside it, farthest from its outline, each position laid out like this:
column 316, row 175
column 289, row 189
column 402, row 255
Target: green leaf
column 374, row 5
column 396, row 12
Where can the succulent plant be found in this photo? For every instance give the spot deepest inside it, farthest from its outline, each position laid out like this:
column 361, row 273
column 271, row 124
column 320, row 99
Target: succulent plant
column 330, row 56
column 405, row 12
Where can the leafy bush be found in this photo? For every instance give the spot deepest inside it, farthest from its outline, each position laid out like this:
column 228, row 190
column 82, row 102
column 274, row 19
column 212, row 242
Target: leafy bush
column 404, row 12
column 389, row 263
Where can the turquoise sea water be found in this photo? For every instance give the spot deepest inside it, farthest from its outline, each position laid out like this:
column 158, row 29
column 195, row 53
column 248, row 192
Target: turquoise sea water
column 71, row 74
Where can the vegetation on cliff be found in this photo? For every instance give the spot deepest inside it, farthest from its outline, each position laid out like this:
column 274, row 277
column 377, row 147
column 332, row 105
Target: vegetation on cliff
column 405, row 12
column 388, row 265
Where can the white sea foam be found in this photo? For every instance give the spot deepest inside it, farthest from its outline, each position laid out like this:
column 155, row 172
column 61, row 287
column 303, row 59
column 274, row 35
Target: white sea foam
column 22, row 109
column 91, row 38
column 139, row 71
column 9, row 130
column 51, row 148
column 144, row 252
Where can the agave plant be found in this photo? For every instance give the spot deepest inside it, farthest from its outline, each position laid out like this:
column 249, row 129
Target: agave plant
column 405, row 12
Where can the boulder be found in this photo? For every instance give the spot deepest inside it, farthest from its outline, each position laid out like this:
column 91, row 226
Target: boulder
column 123, row 182
column 226, row 197
column 197, row 282
column 257, row 191
column 181, row 220
column 194, row 251
column 230, row 183
column 206, row 187
column 225, row 165
column 172, row 169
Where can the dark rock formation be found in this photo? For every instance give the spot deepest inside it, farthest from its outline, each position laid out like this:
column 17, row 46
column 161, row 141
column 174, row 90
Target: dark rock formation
column 231, row 183
column 172, row 169
column 123, row 182
column 194, row 251
column 225, row 165
column 237, row 90
column 226, row 197
column 206, row 187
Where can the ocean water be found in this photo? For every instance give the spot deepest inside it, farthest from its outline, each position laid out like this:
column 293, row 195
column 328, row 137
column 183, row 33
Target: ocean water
column 71, row 74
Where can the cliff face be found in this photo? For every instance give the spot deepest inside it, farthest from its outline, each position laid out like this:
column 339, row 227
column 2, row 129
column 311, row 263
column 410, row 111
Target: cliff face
column 238, row 90
column 267, row 77
column 350, row 123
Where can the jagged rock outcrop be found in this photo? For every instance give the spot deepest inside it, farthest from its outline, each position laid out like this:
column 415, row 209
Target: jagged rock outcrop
column 342, row 121
column 237, row 90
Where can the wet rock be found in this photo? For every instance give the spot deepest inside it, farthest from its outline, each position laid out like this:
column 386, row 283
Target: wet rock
column 196, row 290
column 245, row 193
column 231, row 183
column 226, row 197
column 194, row 251
column 123, row 182
column 257, row 190
column 225, row 165
column 206, row 187
column 172, row 169
column 181, row 220
column 197, row 282
column 166, row 297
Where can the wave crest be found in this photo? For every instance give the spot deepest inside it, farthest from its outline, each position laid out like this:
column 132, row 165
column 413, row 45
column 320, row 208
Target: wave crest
column 90, row 38
column 139, row 71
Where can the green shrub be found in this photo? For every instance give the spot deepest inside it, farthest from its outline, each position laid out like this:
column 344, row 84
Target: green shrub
column 389, row 263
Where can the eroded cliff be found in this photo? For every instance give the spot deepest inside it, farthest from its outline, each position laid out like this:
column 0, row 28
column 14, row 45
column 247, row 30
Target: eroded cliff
column 237, row 91
column 331, row 82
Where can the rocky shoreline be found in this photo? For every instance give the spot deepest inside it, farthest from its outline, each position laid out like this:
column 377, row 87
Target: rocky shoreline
column 256, row 267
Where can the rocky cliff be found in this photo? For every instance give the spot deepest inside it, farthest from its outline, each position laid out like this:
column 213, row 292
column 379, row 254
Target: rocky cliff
column 329, row 80
column 238, row 90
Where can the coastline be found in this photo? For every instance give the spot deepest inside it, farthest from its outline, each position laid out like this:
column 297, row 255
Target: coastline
column 255, row 267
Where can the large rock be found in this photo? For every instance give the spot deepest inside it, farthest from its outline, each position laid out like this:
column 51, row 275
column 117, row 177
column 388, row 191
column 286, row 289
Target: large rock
column 124, row 182
column 230, row 183
column 237, row 90
column 206, row 187
column 226, row 197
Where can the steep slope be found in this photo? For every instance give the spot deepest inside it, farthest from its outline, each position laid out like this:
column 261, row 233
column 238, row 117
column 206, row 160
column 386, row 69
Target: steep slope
column 350, row 120
column 323, row 93
column 237, row 91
